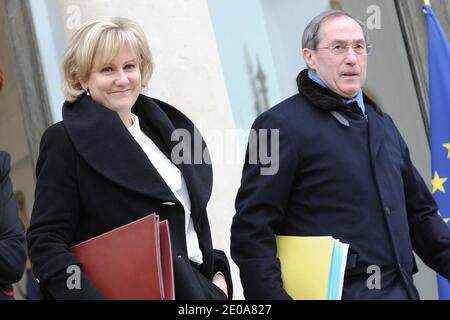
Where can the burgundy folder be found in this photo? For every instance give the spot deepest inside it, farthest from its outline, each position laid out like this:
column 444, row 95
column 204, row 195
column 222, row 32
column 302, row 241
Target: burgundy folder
column 132, row 262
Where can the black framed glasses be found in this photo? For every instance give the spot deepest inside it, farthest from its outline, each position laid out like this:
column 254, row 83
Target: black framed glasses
column 358, row 48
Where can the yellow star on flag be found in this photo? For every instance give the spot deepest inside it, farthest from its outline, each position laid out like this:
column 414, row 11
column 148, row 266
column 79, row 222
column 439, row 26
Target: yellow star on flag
column 445, row 219
column 447, row 146
column 438, row 183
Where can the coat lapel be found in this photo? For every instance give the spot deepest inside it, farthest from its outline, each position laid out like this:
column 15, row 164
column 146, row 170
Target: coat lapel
column 102, row 140
column 163, row 119
column 376, row 130
column 105, row 144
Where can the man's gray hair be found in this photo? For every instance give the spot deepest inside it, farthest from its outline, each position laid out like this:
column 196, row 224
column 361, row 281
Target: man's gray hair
column 310, row 37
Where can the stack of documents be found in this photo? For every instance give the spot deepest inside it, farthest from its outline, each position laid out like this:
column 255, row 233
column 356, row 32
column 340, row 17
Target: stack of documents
column 131, row 262
column 312, row 268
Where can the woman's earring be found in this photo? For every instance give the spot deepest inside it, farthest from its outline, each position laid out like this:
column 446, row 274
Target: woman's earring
column 87, row 92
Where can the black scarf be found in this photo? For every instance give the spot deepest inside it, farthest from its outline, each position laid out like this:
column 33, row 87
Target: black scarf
column 325, row 99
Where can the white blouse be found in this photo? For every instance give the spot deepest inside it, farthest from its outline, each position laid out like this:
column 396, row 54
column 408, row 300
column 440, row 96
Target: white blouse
column 174, row 179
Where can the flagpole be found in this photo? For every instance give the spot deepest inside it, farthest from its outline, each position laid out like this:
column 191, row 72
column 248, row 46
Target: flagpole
column 426, row 3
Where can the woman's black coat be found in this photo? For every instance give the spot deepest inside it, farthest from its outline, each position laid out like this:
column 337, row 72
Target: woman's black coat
column 12, row 234
column 92, row 177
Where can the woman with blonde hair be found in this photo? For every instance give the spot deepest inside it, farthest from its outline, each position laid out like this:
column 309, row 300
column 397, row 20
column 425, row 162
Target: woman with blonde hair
column 108, row 163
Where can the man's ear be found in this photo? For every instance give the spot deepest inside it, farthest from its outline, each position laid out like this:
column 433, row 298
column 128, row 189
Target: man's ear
column 310, row 58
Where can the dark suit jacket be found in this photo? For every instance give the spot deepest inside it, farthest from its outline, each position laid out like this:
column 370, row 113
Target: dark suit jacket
column 12, row 237
column 92, row 177
column 354, row 182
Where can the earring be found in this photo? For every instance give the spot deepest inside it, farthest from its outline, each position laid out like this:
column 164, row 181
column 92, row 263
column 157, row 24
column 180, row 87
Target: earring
column 87, row 92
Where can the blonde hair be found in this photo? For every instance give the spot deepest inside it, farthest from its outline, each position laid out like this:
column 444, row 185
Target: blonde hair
column 102, row 39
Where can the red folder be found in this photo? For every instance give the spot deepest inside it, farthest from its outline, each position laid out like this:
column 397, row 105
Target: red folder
column 132, row 262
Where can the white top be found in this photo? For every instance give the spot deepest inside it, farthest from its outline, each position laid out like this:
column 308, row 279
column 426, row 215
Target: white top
column 174, row 179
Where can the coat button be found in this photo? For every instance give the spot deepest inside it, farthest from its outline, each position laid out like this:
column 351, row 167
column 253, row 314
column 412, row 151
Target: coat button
column 388, row 211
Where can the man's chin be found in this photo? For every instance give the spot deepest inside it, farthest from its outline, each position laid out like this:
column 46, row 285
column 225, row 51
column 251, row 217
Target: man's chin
column 350, row 92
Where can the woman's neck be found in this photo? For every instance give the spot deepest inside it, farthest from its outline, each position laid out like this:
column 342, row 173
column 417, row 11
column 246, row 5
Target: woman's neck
column 126, row 118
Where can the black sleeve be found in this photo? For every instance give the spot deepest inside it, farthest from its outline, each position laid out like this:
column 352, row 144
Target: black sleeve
column 12, row 236
column 261, row 203
column 54, row 219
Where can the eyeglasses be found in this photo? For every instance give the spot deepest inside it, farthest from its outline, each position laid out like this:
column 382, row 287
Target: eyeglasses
column 358, row 48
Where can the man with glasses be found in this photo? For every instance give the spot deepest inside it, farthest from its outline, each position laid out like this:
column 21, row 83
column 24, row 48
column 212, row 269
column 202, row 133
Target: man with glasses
column 343, row 171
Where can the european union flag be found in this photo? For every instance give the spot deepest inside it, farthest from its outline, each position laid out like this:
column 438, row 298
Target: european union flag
column 439, row 82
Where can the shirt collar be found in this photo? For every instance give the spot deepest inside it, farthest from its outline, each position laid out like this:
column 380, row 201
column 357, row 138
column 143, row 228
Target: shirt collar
column 358, row 98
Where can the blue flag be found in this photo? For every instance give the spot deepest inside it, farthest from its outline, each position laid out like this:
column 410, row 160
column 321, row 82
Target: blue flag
column 439, row 78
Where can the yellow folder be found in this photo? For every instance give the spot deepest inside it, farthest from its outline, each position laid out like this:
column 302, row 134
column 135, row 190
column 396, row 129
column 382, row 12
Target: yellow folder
column 305, row 265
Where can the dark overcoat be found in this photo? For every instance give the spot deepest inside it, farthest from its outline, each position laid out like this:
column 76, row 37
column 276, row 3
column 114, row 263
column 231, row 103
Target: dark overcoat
column 92, row 177
column 12, row 234
column 341, row 174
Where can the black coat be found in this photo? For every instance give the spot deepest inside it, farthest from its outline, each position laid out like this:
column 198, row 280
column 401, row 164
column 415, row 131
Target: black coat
column 92, row 177
column 12, row 237
column 343, row 176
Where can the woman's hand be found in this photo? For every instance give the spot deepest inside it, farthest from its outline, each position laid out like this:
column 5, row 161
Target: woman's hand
column 219, row 280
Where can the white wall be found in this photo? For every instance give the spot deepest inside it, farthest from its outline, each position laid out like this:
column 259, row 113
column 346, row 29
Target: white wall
column 285, row 22
column 240, row 32
column 47, row 24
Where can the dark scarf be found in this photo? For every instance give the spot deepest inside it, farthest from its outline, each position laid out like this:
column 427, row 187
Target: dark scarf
column 325, row 99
